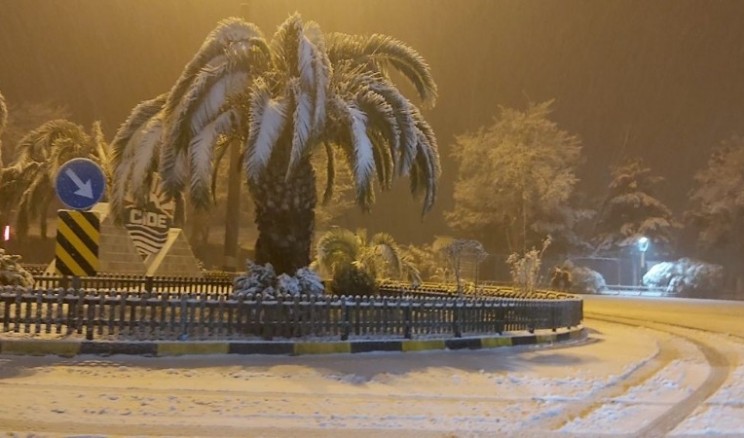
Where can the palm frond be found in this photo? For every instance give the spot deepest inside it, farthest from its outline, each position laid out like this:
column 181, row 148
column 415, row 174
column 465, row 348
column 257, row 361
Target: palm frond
column 364, row 165
column 302, row 119
column 201, row 148
column 315, row 71
column 198, row 109
column 225, row 42
column 268, row 119
column 330, row 173
column 136, row 145
column 383, row 51
column 403, row 110
column 285, row 45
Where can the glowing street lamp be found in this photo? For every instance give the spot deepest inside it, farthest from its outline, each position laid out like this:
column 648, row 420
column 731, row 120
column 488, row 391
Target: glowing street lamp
column 642, row 244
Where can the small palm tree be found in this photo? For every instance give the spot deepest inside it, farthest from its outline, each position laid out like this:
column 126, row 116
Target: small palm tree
column 285, row 99
column 380, row 256
column 28, row 184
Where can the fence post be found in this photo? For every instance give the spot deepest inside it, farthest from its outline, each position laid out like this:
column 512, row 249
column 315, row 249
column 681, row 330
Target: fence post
column 184, row 333
column 456, row 316
column 149, row 284
column 76, row 283
column 346, row 324
column 553, row 311
column 89, row 323
column 407, row 320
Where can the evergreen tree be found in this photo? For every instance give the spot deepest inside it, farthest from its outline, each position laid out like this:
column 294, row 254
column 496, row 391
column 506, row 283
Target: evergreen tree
column 716, row 212
column 631, row 210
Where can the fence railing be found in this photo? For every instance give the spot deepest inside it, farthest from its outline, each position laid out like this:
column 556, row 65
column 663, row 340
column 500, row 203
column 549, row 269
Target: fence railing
column 212, row 287
column 168, row 315
column 137, row 283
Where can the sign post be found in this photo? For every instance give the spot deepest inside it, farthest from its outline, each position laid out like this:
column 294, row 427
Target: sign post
column 80, row 184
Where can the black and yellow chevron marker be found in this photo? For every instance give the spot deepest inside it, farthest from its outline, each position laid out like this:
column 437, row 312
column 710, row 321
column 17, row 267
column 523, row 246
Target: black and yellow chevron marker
column 78, row 235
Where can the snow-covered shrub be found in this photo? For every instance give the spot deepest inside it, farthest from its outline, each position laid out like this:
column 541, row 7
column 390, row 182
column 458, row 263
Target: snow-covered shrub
column 11, row 271
column 352, row 280
column 525, row 269
column 263, row 280
column 686, row 277
column 584, row 280
column 309, row 282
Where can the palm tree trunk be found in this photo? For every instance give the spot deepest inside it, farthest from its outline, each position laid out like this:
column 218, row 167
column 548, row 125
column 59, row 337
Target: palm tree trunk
column 232, row 210
column 285, row 216
column 43, row 224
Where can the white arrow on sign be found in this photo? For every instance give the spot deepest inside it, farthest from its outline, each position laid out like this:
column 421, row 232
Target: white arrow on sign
column 84, row 188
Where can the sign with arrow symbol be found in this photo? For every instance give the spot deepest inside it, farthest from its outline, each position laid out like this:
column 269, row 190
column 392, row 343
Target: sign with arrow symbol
column 80, row 183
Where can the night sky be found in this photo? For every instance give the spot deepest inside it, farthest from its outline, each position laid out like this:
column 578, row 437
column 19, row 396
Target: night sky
column 662, row 80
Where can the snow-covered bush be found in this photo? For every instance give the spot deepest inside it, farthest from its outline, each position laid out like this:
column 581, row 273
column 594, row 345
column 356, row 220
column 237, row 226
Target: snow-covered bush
column 525, row 268
column 263, row 280
column 352, row 280
column 584, row 280
column 11, row 271
column 686, row 277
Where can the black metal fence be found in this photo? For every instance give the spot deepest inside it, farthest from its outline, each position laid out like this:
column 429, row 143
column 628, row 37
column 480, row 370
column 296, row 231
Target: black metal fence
column 216, row 315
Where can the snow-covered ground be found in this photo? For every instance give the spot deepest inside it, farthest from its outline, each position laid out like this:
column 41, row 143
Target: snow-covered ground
column 620, row 382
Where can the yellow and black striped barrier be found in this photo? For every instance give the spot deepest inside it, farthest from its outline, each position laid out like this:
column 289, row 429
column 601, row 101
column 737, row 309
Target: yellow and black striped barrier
column 78, row 237
column 284, row 347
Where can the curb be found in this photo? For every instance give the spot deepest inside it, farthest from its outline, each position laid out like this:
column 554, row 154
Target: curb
column 66, row 348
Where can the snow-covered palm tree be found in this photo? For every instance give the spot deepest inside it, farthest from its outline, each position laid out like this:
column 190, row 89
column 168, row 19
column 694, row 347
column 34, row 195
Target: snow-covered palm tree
column 28, row 184
column 284, row 100
column 380, row 256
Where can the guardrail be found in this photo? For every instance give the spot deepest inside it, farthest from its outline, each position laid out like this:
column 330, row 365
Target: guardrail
column 166, row 315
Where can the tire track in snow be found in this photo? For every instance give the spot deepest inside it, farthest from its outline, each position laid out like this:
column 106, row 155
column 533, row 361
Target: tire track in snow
column 581, row 408
column 718, row 363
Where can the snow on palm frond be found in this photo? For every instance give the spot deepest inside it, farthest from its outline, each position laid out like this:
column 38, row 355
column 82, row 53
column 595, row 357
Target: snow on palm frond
column 302, row 119
column 403, row 110
column 145, row 161
column 220, row 71
column 384, row 51
column 315, row 71
column 285, row 46
column 221, row 42
column 201, row 149
column 202, row 106
column 135, row 146
column 384, row 132
column 364, row 164
column 268, row 118
column 99, row 148
column 427, row 168
column 210, row 91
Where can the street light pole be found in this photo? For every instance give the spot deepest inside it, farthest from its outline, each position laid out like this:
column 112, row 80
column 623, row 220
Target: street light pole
column 643, row 243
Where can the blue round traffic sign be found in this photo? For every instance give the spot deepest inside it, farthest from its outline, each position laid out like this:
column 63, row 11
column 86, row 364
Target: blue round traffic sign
column 80, row 183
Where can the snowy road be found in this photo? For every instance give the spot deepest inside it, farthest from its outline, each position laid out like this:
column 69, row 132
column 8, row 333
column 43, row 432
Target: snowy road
column 651, row 367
